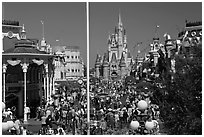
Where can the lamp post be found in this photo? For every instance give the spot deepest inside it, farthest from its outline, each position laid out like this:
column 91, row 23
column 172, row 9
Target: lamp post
column 25, row 68
column 4, row 82
column 143, row 119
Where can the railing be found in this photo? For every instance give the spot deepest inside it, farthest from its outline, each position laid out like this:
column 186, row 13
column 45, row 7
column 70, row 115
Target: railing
column 191, row 24
column 9, row 22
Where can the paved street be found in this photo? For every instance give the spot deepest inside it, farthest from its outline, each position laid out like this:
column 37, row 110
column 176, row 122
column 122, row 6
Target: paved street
column 34, row 126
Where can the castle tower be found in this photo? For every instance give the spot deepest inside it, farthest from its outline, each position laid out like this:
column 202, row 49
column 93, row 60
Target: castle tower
column 97, row 66
column 155, row 45
column 105, row 67
column 113, row 67
column 122, row 66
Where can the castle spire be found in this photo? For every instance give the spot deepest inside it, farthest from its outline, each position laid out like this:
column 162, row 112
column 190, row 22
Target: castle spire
column 119, row 20
column 156, row 36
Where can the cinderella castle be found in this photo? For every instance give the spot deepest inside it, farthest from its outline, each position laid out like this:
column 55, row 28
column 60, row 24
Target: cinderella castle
column 116, row 63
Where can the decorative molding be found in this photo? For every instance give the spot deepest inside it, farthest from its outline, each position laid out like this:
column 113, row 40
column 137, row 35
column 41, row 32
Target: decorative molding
column 13, row 62
column 24, row 67
column 38, row 62
column 10, row 35
column 46, row 68
column 4, row 68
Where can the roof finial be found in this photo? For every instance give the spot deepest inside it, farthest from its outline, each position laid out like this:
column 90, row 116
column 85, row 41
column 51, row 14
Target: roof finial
column 43, row 30
column 23, row 28
column 156, row 31
column 23, row 32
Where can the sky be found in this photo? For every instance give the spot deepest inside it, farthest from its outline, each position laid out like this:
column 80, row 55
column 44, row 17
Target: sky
column 65, row 22
column 140, row 21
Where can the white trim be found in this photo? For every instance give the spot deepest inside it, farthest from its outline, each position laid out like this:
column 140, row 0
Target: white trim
column 20, row 54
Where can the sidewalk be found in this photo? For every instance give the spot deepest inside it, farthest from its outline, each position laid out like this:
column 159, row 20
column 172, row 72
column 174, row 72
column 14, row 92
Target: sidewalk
column 34, row 126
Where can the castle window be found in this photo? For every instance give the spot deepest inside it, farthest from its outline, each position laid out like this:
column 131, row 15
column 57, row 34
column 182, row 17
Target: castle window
column 68, row 57
column 72, row 57
column 113, row 66
column 61, row 75
column 76, row 57
column 75, row 70
column 72, row 70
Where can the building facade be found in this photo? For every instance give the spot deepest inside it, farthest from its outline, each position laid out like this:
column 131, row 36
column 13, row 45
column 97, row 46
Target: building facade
column 27, row 71
column 161, row 57
column 68, row 63
column 116, row 62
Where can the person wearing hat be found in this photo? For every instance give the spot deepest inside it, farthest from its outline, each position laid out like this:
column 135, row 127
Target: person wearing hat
column 9, row 114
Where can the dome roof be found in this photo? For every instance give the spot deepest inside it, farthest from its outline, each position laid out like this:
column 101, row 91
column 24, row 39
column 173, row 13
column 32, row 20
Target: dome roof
column 24, row 46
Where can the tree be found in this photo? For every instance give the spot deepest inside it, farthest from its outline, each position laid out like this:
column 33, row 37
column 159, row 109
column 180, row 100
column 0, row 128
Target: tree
column 181, row 99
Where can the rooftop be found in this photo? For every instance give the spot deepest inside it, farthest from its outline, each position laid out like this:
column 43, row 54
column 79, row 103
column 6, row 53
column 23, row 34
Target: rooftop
column 72, row 47
column 24, row 46
column 193, row 24
column 9, row 22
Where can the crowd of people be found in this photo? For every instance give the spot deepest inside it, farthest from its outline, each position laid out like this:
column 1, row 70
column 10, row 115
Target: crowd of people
column 114, row 106
column 64, row 113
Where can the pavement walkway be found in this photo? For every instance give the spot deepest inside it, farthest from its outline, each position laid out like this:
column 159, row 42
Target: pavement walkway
column 33, row 126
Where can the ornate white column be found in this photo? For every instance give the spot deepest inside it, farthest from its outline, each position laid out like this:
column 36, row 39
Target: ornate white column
column 44, row 85
column 25, row 68
column 4, row 82
column 50, row 93
column 47, row 80
column 53, row 82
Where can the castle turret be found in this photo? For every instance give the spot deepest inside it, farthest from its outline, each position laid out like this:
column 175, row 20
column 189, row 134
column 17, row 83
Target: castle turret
column 155, row 47
column 97, row 65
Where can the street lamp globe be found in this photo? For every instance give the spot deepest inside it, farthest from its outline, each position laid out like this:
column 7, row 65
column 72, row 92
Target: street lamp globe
column 5, row 126
column 149, row 125
column 134, row 125
column 3, row 106
column 10, row 124
column 142, row 105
